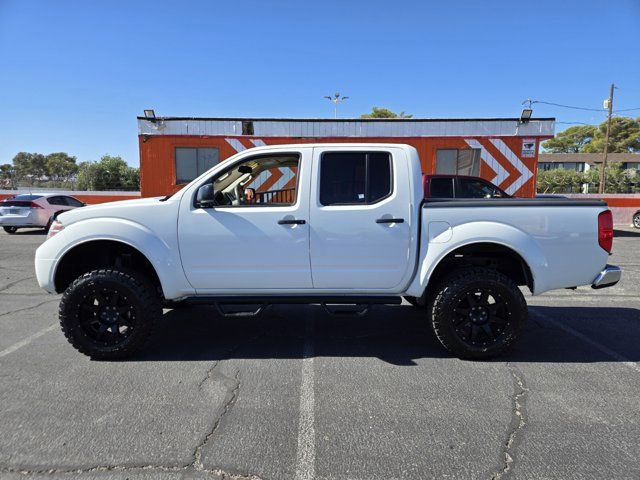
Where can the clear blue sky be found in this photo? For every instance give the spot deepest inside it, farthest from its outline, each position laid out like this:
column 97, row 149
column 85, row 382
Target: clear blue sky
column 74, row 75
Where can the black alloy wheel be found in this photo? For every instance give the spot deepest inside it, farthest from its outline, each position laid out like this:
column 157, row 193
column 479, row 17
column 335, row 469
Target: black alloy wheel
column 109, row 314
column 481, row 316
column 477, row 312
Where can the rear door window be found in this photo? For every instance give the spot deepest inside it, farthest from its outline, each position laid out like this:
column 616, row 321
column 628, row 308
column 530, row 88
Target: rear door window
column 352, row 178
column 441, row 188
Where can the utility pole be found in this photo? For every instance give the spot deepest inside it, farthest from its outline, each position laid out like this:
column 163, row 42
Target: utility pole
column 609, row 104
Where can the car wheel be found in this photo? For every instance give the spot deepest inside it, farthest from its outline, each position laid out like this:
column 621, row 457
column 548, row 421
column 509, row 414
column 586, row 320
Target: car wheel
column 477, row 313
column 10, row 230
column 109, row 314
column 636, row 220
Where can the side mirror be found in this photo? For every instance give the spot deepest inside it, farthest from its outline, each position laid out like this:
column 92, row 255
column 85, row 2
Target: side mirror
column 205, row 197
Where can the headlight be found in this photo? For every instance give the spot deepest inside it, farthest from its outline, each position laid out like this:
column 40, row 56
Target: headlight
column 55, row 227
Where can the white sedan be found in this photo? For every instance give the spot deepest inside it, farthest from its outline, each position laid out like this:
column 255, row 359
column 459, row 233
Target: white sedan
column 34, row 210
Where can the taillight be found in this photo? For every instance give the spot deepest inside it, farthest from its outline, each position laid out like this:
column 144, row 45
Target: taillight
column 56, row 227
column 605, row 230
column 34, row 205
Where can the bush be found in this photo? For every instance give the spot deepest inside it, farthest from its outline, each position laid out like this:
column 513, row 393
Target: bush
column 570, row 181
column 110, row 173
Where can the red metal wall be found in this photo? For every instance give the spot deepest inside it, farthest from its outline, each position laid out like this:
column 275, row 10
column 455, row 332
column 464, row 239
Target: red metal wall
column 157, row 156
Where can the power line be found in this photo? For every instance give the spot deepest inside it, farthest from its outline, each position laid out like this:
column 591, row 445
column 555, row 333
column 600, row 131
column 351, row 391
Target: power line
column 626, row 110
column 569, row 106
column 583, row 108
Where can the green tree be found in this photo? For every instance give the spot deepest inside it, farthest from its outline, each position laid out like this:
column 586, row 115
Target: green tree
column 571, row 140
column 30, row 165
column 61, row 166
column 7, row 176
column 384, row 113
column 110, row 173
column 624, row 136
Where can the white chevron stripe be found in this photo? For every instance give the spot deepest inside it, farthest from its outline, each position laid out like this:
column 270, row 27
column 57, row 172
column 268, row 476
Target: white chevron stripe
column 235, row 144
column 501, row 173
column 525, row 173
column 258, row 142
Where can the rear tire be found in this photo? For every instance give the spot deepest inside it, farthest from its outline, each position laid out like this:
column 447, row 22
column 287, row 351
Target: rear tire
column 109, row 314
column 477, row 313
column 10, row 230
column 636, row 220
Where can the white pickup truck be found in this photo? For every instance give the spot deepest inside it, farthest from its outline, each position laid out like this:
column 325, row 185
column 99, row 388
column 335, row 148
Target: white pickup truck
column 320, row 224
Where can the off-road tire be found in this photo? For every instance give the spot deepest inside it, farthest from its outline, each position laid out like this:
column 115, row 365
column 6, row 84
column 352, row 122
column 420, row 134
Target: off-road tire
column 453, row 289
column 10, row 230
column 141, row 296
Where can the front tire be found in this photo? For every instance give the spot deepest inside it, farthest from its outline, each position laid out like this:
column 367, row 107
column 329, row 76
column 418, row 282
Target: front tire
column 636, row 220
column 109, row 314
column 477, row 313
column 10, row 230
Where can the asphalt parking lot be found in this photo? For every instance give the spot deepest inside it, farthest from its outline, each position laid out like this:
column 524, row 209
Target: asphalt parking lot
column 298, row 394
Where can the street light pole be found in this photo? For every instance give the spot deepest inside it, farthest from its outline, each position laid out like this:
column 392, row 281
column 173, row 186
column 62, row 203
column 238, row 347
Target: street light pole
column 336, row 99
column 603, row 177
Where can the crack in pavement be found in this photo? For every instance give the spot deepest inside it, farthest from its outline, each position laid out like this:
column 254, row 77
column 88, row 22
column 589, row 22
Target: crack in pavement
column 233, row 388
column 518, row 422
column 232, row 395
column 28, row 308
column 15, row 282
column 196, row 465
column 218, row 474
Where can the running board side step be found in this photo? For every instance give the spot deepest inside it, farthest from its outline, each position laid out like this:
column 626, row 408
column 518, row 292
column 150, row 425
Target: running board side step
column 333, row 305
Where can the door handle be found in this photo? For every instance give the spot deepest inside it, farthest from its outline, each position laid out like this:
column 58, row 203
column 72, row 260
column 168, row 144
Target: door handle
column 390, row 220
column 291, row 222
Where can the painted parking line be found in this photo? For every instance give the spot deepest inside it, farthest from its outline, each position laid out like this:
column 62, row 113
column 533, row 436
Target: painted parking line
column 306, row 453
column 27, row 340
column 603, row 348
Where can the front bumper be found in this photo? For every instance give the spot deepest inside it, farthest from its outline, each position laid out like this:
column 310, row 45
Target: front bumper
column 607, row 277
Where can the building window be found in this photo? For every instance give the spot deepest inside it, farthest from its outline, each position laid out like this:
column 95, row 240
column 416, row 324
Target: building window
column 351, row 178
column 631, row 165
column 193, row 162
column 458, row 162
column 545, row 166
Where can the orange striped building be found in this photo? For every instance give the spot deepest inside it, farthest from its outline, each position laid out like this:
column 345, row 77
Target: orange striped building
column 174, row 150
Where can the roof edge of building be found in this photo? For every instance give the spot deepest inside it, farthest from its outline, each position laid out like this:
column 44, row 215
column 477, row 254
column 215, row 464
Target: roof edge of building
column 341, row 120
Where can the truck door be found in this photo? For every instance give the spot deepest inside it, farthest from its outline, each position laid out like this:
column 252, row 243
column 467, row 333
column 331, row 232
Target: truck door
column 360, row 219
column 255, row 236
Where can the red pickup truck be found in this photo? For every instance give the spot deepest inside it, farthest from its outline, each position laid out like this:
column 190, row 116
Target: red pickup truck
column 460, row 186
